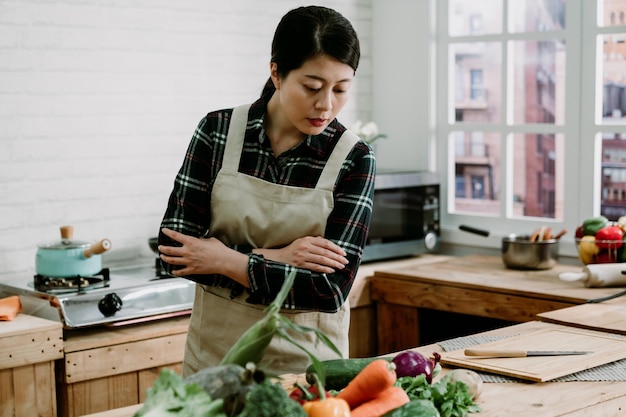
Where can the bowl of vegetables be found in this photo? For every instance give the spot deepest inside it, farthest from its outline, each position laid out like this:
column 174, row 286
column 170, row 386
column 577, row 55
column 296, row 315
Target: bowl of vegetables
column 600, row 241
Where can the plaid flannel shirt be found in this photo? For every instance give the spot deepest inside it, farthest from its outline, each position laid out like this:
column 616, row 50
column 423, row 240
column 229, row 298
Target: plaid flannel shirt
column 188, row 208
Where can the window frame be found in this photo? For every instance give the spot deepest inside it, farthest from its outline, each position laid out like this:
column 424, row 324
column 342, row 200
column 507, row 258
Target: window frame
column 577, row 178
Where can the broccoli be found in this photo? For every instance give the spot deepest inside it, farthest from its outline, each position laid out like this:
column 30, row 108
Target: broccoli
column 270, row 400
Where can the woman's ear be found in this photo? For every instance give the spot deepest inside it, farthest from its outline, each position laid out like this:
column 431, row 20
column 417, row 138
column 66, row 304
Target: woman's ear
column 274, row 75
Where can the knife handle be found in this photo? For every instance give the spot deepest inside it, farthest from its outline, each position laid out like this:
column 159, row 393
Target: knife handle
column 496, row 353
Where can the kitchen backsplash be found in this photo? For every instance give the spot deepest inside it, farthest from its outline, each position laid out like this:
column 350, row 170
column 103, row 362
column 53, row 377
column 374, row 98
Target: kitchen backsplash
column 98, row 101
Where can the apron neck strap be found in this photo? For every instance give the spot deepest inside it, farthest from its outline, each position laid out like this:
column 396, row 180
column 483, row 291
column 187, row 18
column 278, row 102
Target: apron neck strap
column 235, row 137
column 343, row 147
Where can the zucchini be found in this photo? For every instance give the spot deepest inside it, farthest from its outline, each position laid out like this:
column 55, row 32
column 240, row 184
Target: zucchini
column 339, row 372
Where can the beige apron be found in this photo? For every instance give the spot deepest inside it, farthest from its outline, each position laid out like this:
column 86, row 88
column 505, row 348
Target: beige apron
column 246, row 209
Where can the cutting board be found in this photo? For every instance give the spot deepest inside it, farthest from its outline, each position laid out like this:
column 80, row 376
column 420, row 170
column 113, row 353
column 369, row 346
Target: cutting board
column 606, row 317
column 605, row 348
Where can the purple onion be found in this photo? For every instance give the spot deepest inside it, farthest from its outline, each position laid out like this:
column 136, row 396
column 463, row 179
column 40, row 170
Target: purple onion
column 412, row 363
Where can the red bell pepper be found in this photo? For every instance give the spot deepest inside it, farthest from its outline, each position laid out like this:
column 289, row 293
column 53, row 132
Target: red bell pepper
column 609, row 237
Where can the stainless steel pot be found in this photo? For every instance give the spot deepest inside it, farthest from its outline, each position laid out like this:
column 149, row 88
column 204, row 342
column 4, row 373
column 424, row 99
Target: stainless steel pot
column 70, row 258
column 519, row 252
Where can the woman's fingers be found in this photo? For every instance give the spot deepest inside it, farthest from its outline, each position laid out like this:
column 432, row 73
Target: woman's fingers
column 319, row 254
column 174, row 235
column 330, row 250
column 319, row 268
column 328, row 245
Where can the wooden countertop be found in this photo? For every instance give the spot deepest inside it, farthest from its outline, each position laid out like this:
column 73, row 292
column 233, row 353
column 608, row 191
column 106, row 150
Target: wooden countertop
column 360, row 293
column 511, row 399
column 27, row 340
column 488, row 273
column 475, row 285
column 99, row 337
column 546, row 399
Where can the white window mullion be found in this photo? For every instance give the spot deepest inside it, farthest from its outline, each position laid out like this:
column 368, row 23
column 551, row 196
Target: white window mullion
column 585, row 201
column 505, row 150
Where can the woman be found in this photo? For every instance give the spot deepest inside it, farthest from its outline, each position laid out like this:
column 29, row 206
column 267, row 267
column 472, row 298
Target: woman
column 270, row 187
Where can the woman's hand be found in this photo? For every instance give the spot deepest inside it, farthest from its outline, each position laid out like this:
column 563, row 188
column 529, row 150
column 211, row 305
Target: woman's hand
column 314, row 253
column 203, row 256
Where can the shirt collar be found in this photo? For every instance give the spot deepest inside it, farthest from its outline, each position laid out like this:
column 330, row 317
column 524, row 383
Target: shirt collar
column 316, row 143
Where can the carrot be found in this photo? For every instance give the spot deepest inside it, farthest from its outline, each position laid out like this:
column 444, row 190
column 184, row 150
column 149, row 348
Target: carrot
column 377, row 376
column 391, row 398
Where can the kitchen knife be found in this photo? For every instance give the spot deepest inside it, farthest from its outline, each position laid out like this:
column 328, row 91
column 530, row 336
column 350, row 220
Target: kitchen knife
column 509, row 353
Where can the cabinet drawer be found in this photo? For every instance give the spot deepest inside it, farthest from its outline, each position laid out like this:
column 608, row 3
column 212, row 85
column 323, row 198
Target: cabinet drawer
column 123, row 358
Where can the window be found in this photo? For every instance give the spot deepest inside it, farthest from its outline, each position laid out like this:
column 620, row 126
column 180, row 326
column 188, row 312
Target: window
column 477, row 91
column 540, row 89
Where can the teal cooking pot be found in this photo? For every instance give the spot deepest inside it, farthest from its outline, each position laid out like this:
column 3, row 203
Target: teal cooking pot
column 70, row 258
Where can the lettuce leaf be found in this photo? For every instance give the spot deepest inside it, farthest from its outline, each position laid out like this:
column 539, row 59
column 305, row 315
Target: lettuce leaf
column 170, row 396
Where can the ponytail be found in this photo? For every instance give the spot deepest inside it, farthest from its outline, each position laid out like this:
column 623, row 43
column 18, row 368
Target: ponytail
column 268, row 90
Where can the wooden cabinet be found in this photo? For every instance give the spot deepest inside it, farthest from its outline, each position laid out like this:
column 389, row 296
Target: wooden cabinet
column 28, row 348
column 108, row 368
column 363, row 316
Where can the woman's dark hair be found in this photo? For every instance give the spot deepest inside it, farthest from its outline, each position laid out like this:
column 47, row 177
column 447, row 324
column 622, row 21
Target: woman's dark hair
column 307, row 32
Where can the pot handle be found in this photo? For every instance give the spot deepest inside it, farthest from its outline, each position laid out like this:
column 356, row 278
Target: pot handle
column 474, row 230
column 98, row 248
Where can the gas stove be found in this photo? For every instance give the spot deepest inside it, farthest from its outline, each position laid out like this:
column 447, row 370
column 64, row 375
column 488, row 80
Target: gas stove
column 113, row 297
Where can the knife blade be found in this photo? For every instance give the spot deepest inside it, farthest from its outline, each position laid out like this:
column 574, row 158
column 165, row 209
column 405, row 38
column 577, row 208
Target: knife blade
column 506, row 353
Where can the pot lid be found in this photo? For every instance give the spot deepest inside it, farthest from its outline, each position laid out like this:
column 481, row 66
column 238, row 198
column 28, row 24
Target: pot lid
column 66, row 242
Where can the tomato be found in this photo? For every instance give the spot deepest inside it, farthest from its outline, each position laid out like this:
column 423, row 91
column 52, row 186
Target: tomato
column 579, row 232
column 605, row 257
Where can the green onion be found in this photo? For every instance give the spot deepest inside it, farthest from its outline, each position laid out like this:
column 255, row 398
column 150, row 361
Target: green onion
column 253, row 344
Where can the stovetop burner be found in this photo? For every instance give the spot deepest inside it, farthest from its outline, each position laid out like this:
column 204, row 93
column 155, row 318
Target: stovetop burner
column 77, row 284
column 122, row 295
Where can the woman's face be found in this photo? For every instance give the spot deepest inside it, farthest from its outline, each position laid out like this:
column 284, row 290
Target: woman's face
column 311, row 96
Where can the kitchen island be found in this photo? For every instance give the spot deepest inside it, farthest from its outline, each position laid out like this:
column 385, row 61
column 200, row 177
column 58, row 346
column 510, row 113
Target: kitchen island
column 107, row 368
column 523, row 399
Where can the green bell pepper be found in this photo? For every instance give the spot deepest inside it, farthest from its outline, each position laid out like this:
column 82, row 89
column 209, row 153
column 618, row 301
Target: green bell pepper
column 593, row 224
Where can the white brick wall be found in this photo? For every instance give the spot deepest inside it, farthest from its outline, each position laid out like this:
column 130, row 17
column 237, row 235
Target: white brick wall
column 98, row 101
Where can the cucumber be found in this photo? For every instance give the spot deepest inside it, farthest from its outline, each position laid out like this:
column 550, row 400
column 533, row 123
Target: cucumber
column 339, row 372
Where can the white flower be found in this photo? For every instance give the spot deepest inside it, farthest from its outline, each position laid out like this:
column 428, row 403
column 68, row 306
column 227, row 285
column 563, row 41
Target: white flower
column 368, row 131
column 356, row 127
